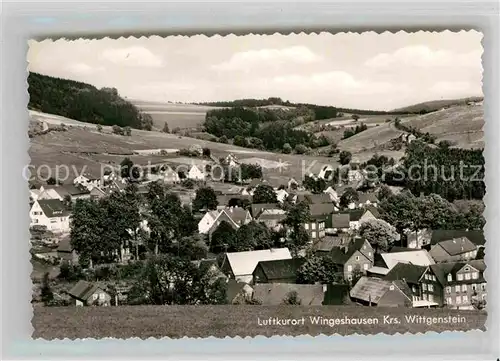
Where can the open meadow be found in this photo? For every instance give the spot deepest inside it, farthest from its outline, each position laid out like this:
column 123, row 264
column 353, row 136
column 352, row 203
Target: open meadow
column 220, row 321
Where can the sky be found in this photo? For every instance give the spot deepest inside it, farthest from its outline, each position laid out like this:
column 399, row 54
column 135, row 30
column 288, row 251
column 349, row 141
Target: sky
column 351, row 70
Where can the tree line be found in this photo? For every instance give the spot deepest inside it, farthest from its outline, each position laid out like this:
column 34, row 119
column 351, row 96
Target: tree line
column 84, row 102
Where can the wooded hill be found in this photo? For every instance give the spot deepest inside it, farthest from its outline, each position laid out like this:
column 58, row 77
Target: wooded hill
column 84, row 102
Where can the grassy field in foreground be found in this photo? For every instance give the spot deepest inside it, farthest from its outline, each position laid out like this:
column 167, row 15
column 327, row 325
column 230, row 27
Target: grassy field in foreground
column 221, row 321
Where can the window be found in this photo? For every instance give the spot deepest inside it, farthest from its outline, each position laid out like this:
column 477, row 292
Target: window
column 313, row 235
column 457, row 288
column 467, row 276
column 365, row 266
column 313, row 225
column 475, row 275
column 464, row 288
column 94, row 296
column 450, row 278
column 434, row 278
column 483, row 286
column 369, row 254
column 426, row 276
column 357, row 258
column 306, row 226
column 349, row 277
column 431, row 288
column 464, row 299
column 364, row 246
column 473, row 286
column 448, row 300
column 53, row 220
column 467, row 268
column 424, row 286
column 448, row 289
column 35, row 221
column 425, row 296
column 413, row 289
column 458, row 300
column 391, row 287
column 101, row 296
column 460, row 277
column 431, row 298
column 349, row 268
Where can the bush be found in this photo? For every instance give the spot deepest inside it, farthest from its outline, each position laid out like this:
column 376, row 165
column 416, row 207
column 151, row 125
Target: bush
column 223, row 139
column 128, row 131
column 300, row 149
column 117, row 130
column 99, row 128
column 287, row 148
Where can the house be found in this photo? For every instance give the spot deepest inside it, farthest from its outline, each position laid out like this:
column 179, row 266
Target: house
column 240, row 265
column 336, row 294
column 66, row 252
column 281, row 195
column 352, row 255
column 358, row 216
column 51, row 213
column 319, row 213
column 453, row 250
column 277, row 271
column 365, row 199
column 310, row 198
column 235, row 216
column 87, row 181
column 422, row 281
column 97, row 193
column 34, row 194
column 378, row 292
column 196, row 174
column 418, row 257
column 74, row 192
column 237, row 292
column 463, row 283
column 418, row 239
column 339, row 223
column 273, row 294
column 258, row 208
column 272, row 218
column 332, row 194
column 89, row 294
column 326, row 172
column 327, row 243
column 439, row 235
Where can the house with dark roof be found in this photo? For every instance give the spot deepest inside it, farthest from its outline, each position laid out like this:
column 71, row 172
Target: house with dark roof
column 454, row 250
column 352, row 255
column 56, row 191
column 423, row 282
column 319, row 214
column 365, row 200
column 89, row 294
column 277, row 271
column 337, row 220
column 439, row 235
column 373, row 291
column 257, row 208
column 311, row 198
column 272, row 218
column 339, row 223
column 50, row 213
column 463, row 283
column 97, row 193
column 274, row 294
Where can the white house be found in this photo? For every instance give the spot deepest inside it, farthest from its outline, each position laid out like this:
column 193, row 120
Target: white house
column 240, row 265
column 326, row 172
column 87, row 181
column 332, row 193
column 50, row 213
column 360, row 216
column 235, row 216
column 49, row 193
column 281, row 195
column 196, row 174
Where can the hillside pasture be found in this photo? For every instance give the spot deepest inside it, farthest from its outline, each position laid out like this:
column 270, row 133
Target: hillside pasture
column 370, row 139
column 233, row 320
column 176, row 115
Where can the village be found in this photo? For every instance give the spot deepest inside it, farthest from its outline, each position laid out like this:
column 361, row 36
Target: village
column 248, row 239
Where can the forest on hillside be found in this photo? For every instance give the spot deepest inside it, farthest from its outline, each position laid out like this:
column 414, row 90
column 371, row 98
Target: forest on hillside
column 83, row 102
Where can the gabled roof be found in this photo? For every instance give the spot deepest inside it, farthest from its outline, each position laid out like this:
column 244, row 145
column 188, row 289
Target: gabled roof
column 476, row 237
column 282, row 268
column 244, row 263
column 272, row 214
column 441, row 270
column 373, row 289
column 68, row 189
column 457, row 246
column 321, row 209
column 340, row 220
column 326, row 244
column 365, row 197
column 53, row 208
column 420, row 258
column 257, row 208
column 237, row 214
column 83, row 290
column 276, row 293
column 404, row 271
column 314, row 198
column 341, row 254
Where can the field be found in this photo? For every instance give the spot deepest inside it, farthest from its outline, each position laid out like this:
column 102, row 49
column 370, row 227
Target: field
column 84, row 148
column 462, row 125
column 220, row 321
column 176, row 115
